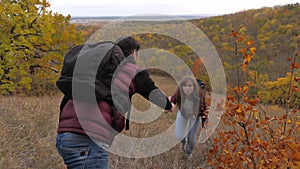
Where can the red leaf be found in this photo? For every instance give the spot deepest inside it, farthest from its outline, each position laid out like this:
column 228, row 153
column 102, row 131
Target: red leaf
column 294, row 88
column 297, row 79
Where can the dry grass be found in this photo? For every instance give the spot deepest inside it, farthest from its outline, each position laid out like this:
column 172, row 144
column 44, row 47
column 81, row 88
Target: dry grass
column 170, row 159
column 28, row 131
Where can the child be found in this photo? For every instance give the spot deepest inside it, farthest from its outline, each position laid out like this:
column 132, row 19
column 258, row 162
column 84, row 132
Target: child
column 191, row 105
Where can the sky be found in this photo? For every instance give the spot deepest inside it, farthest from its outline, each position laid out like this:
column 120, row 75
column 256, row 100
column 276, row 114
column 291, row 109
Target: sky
column 165, row 7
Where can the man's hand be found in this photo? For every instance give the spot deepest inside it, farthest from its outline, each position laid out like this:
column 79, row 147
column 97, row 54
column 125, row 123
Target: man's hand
column 172, row 109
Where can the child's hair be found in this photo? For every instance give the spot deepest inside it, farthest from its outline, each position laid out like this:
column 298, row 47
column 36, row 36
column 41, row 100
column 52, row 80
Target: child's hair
column 198, row 95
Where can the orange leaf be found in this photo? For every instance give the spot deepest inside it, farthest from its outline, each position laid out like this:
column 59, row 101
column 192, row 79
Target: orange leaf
column 296, row 156
column 241, row 38
column 250, row 42
column 240, row 109
column 242, row 50
column 230, row 98
column 248, row 58
column 237, row 89
column 253, row 102
column 234, row 33
column 246, row 88
column 288, row 59
column 252, row 50
column 244, row 66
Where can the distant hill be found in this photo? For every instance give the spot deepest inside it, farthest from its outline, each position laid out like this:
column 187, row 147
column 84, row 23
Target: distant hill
column 275, row 31
column 93, row 19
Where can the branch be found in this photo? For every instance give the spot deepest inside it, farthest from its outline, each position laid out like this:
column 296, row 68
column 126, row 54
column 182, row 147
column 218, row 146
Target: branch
column 12, row 29
column 22, row 47
column 38, row 15
column 289, row 96
column 28, row 34
column 248, row 141
column 42, row 68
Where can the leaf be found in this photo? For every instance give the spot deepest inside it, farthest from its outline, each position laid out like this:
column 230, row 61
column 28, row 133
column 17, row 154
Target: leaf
column 245, row 89
column 294, row 66
column 253, row 50
column 296, row 156
column 239, row 109
column 237, row 89
column 244, row 66
column 241, row 38
column 233, row 33
column 230, row 98
column 243, row 50
column 249, row 83
column 297, row 79
column 293, row 111
column 32, row 36
column 250, row 42
column 294, row 88
column 253, row 102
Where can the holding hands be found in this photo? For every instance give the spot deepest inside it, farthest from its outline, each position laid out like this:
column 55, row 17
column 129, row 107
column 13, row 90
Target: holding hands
column 173, row 106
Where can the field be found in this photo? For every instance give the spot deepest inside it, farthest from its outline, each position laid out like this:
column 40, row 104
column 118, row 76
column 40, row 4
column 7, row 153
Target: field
column 28, row 132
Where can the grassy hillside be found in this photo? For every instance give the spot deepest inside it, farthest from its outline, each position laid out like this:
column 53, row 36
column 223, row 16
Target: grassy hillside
column 28, row 131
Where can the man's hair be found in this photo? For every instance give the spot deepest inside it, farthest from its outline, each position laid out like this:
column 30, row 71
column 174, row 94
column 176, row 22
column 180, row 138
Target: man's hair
column 128, row 45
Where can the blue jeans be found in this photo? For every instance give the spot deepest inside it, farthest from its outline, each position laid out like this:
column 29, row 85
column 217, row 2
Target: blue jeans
column 80, row 152
column 187, row 138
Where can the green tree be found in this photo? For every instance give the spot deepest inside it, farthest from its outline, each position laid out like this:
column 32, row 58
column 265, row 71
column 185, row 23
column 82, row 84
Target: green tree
column 32, row 43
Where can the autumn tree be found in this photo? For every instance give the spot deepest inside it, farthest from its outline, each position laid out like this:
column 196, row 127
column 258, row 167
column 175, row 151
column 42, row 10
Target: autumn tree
column 32, row 43
column 252, row 137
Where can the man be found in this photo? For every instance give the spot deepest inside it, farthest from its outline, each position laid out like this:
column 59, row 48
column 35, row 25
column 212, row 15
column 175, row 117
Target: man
column 86, row 131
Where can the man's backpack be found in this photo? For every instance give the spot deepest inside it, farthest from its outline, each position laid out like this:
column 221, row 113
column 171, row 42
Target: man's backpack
column 95, row 66
column 91, row 67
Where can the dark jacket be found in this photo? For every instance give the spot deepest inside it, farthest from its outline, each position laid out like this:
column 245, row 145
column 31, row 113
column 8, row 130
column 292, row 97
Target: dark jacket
column 96, row 120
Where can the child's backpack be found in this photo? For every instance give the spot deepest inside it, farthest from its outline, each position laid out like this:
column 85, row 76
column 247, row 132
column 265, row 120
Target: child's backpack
column 201, row 85
column 202, row 114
